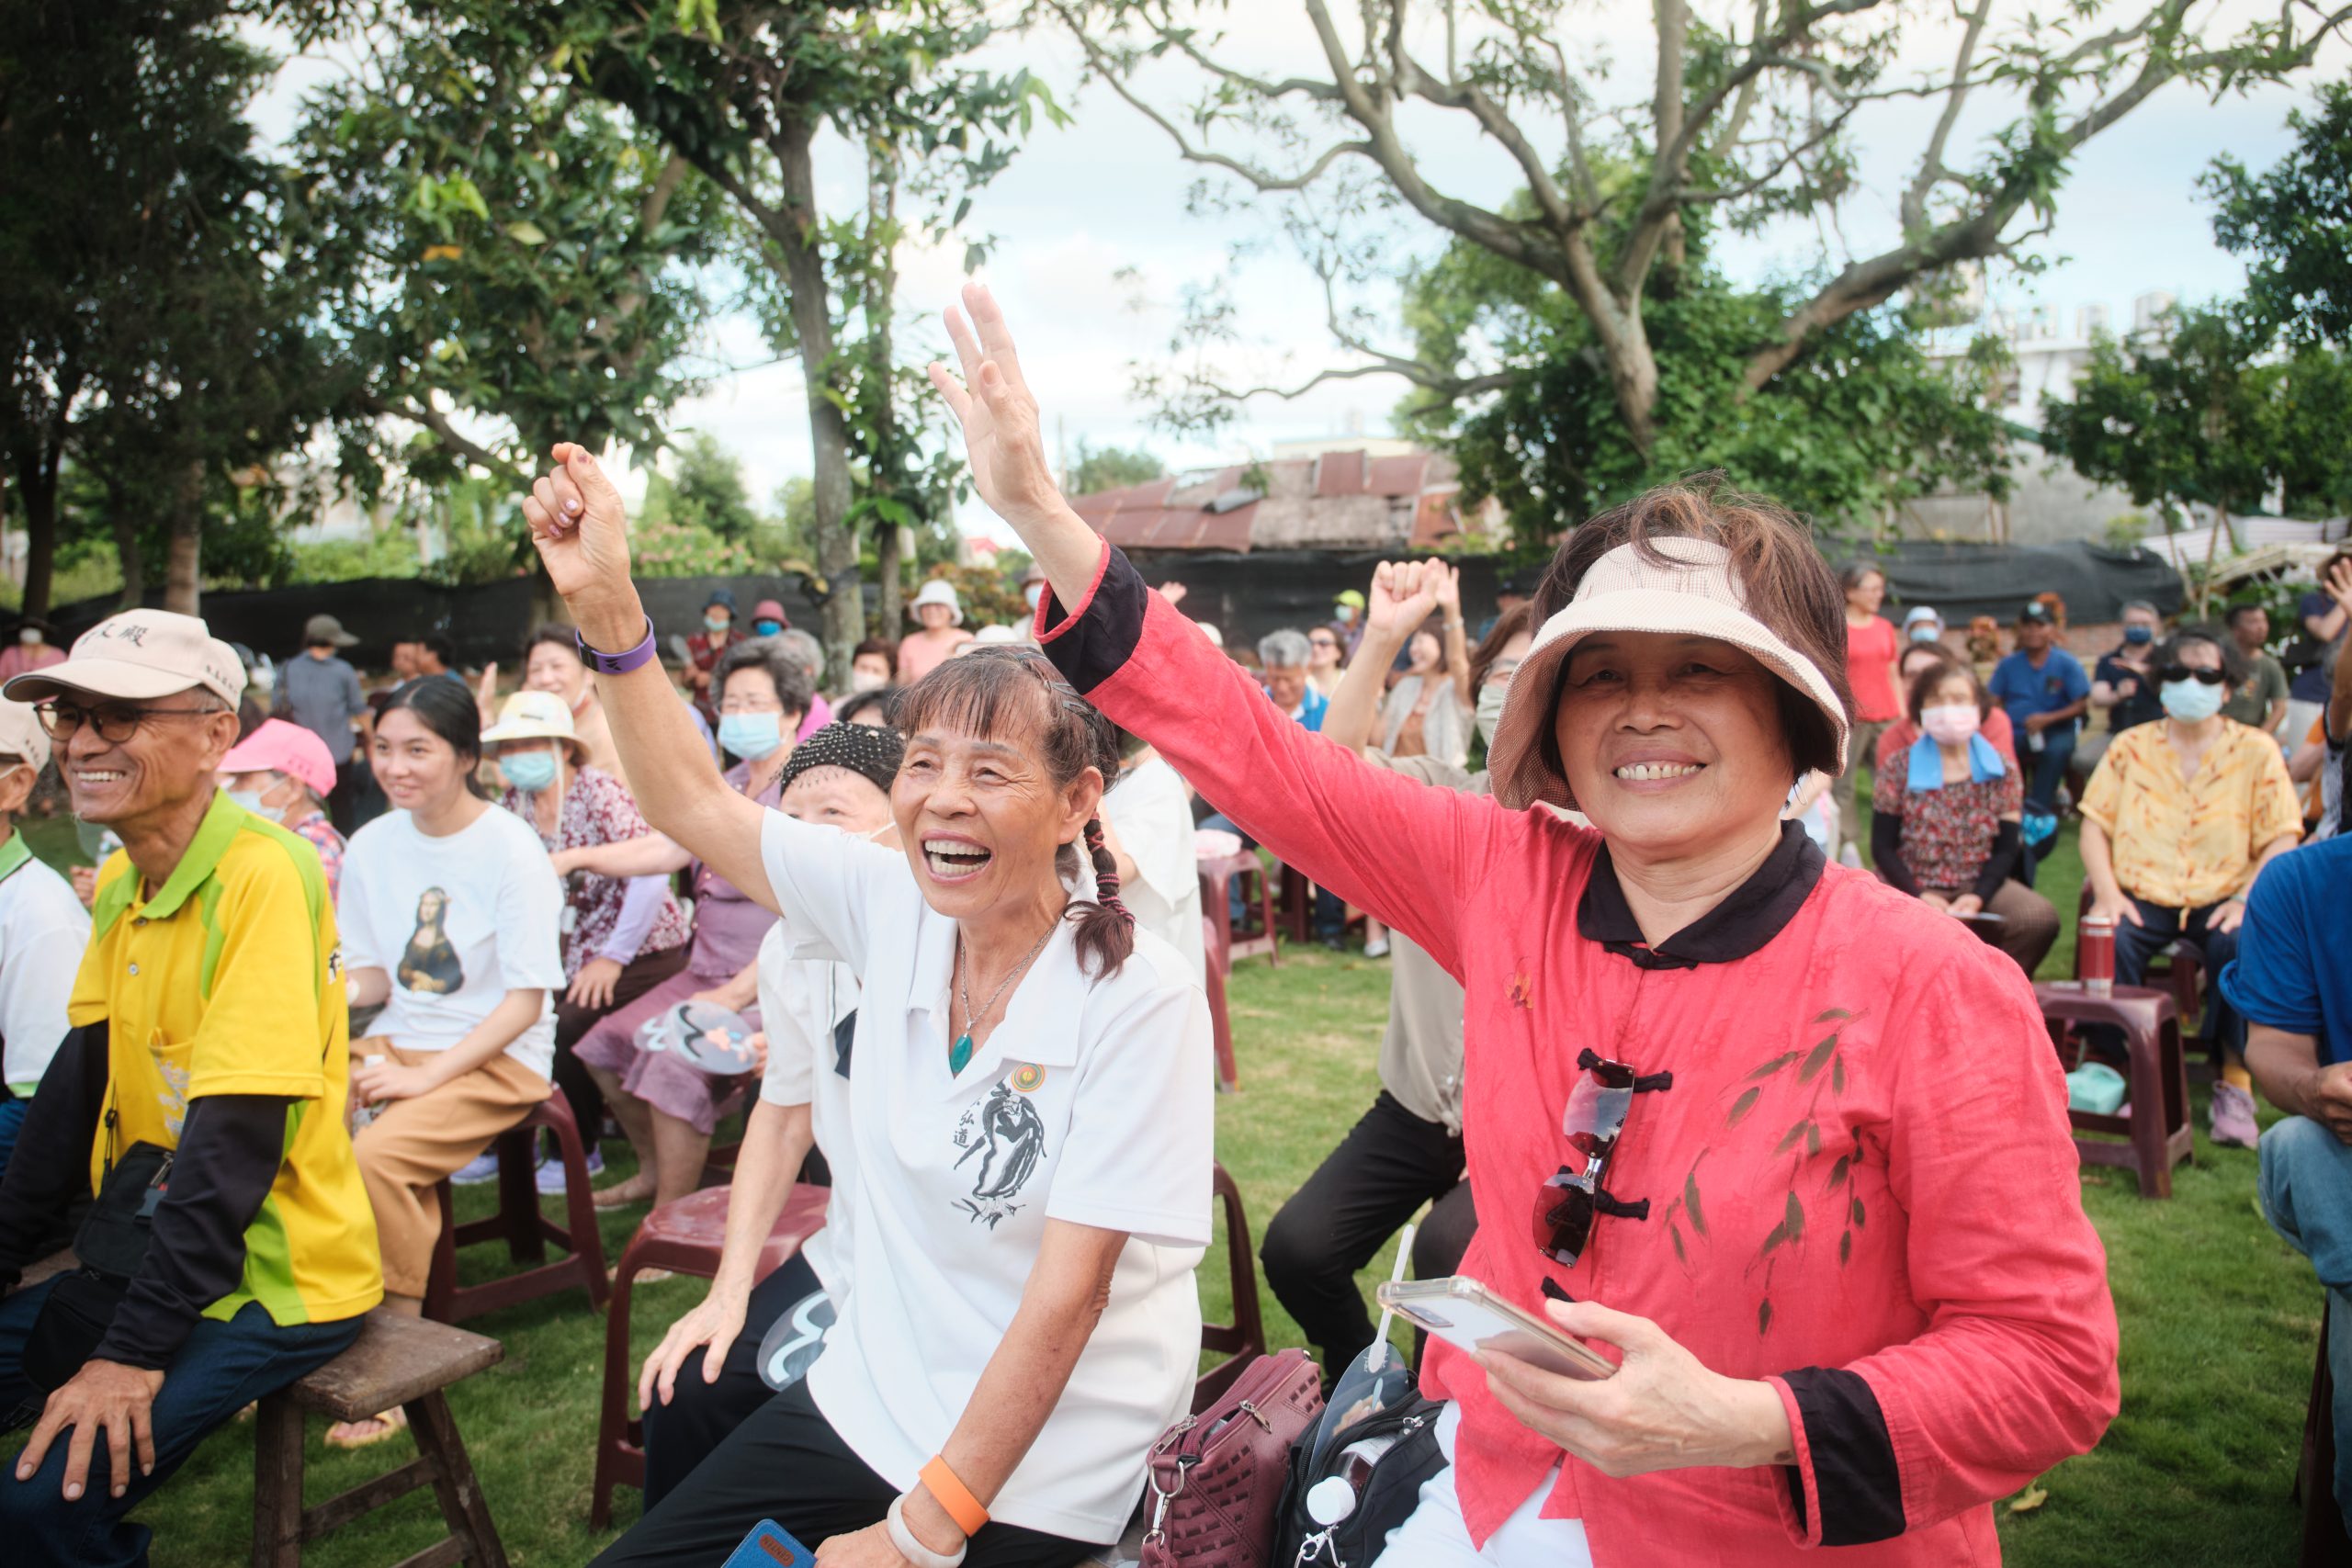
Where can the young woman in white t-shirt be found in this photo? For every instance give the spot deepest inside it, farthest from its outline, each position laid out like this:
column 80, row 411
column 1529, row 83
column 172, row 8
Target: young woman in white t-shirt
column 450, row 916
column 1030, row 1103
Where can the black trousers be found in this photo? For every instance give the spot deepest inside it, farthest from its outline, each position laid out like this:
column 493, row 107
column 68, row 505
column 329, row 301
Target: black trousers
column 1390, row 1163
column 700, row 1415
column 785, row 1463
column 573, row 1023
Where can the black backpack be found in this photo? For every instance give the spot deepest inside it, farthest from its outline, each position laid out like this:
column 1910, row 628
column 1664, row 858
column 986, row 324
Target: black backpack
column 1387, row 1497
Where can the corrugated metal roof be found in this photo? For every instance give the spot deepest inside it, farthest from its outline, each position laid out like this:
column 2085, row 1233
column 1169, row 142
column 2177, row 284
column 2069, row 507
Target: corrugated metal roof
column 1340, row 498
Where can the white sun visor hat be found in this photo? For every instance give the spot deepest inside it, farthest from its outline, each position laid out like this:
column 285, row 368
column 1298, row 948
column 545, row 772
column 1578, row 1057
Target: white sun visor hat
column 1690, row 592
column 938, row 591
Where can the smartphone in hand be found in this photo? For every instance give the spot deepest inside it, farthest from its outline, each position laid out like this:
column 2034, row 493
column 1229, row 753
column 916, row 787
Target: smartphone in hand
column 1466, row 1314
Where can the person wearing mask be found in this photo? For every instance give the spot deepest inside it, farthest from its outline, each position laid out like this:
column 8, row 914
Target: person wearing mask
column 1870, row 648
column 32, row 649
column 622, row 937
column 1428, row 711
column 319, row 691
column 451, row 923
column 207, row 1030
column 872, row 666
column 768, row 619
column 808, row 654
column 708, row 645
column 1895, row 743
column 841, row 778
column 1944, row 816
column 2179, row 818
column 1323, row 659
column 1022, row 1320
column 2045, row 692
column 2292, row 983
column 1347, row 619
column 1406, row 1150
column 2326, row 614
column 281, row 772
column 939, row 614
column 668, row 1109
column 2260, row 701
column 551, row 663
column 1691, row 1107
column 43, row 928
column 1922, row 626
column 2120, row 686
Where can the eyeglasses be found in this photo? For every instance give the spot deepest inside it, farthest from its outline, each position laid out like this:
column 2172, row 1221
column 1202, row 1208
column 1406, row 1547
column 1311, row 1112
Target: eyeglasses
column 1324, row 641
column 116, row 722
column 1568, row 1203
column 2172, row 673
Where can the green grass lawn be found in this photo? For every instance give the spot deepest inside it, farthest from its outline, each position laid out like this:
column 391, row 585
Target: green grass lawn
column 2220, row 1324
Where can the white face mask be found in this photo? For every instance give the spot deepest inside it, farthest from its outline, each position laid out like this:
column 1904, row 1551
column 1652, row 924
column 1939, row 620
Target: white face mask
column 867, row 680
column 1491, row 697
column 1950, row 724
column 1033, row 593
column 30, row 637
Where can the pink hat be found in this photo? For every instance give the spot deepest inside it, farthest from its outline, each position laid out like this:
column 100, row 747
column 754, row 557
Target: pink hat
column 277, row 747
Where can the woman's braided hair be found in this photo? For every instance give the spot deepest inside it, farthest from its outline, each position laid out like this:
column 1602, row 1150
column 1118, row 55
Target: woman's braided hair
column 1009, row 690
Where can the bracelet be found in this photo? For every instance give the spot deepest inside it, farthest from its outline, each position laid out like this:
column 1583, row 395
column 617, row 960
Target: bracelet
column 617, row 663
column 914, row 1550
column 952, row 1494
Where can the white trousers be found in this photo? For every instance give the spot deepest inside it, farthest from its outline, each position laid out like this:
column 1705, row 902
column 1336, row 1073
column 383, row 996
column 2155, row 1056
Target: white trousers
column 1436, row 1537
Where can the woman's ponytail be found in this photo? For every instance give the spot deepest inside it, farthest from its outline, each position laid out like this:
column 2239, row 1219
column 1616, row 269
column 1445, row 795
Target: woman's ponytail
column 1106, row 929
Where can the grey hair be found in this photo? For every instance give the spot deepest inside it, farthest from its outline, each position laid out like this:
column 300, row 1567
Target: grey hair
column 1284, row 650
column 804, row 651
column 2143, row 605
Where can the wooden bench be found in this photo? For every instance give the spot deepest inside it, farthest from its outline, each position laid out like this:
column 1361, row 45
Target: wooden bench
column 397, row 1361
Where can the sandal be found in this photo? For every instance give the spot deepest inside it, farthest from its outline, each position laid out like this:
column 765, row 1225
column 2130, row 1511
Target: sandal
column 365, row 1434
column 621, row 1194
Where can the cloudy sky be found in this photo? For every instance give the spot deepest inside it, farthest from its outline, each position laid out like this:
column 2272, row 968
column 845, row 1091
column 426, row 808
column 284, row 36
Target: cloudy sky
column 1094, row 239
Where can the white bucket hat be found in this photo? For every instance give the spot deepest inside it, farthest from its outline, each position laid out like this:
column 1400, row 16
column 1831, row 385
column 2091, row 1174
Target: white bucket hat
column 1691, row 592
column 939, row 590
column 537, row 716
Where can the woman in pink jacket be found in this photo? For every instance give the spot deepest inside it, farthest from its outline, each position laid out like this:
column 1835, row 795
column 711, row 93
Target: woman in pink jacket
column 1785, row 1145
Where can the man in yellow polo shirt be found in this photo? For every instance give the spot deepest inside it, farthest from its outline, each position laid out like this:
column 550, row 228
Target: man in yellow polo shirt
column 209, row 1038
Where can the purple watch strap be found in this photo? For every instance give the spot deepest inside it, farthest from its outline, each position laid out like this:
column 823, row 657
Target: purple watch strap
column 617, row 663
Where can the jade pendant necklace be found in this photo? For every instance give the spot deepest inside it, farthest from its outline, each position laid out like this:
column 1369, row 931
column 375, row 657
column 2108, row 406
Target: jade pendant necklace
column 959, row 1055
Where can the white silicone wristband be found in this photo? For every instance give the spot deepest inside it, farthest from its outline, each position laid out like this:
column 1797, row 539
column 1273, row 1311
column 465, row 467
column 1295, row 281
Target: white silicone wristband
column 914, row 1550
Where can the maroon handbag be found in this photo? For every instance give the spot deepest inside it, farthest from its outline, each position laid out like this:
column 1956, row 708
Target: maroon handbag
column 1217, row 1478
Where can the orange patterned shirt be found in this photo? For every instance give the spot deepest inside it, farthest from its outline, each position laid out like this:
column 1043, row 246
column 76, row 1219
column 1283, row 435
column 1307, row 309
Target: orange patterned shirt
column 2181, row 842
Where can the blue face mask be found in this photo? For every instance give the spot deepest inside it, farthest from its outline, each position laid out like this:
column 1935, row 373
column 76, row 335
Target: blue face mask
column 715, row 624
column 2139, row 636
column 2191, row 702
column 767, row 629
column 750, row 736
column 1923, row 631
column 529, row 772
column 248, row 798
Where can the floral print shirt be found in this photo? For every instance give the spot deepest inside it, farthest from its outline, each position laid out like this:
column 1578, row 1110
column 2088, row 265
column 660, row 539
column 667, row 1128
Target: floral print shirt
column 598, row 809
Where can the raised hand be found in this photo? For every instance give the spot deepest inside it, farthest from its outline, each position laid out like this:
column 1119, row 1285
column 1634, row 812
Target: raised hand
column 581, row 531
column 1448, row 585
column 1402, row 595
column 1003, row 437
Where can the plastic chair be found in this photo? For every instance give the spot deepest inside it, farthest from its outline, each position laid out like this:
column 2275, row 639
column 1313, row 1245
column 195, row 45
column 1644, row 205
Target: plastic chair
column 521, row 1225
column 1262, row 936
column 2157, row 1128
column 1243, row 1340
column 685, row 1237
column 1228, row 1074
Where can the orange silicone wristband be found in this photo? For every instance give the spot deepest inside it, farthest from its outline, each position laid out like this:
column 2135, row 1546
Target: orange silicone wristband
column 954, row 1497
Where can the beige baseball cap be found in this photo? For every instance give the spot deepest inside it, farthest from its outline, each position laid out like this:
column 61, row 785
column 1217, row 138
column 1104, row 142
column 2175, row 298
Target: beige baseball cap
column 1688, row 593
column 138, row 655
column 22, row 736
column 535, row 716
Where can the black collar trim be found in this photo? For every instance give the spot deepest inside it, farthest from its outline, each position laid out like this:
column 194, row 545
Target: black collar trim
column 1758, row 910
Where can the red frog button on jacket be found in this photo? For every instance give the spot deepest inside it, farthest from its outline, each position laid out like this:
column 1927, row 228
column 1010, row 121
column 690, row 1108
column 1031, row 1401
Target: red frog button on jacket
column 1857, row 1183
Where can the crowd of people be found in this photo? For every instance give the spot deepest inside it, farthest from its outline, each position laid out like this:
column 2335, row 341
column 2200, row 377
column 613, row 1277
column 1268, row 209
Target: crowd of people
column 1650, row 1020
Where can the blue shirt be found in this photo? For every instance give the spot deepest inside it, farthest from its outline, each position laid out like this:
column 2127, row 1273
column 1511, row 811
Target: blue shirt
column 2025, row 691
column 1311, row 708
column 2290, row 972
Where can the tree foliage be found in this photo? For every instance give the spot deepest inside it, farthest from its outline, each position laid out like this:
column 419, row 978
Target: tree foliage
column 1750, row 115
column 2294, row 223
column 1099, row 468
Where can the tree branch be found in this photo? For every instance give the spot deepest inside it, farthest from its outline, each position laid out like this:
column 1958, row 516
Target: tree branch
column 424, row 414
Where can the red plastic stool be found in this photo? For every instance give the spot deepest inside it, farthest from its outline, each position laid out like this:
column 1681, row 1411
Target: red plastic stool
column 1228, row 1074
column 522, row 1227
column 685, row 1237
column 2158, row 1126
column 1216, row 903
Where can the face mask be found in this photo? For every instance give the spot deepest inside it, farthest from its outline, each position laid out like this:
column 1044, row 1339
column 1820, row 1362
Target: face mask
column 1925, row 632
column 715, row 624
column 867, row 680
column 1033, row 594
column 531, row 772
column 29, row 637
column 751, row 736
column 248, row 798
column 767, row 629
column 1346, row 613
column 2191, row 702
column 2139, row 636
column 1490, row 710
column 1950, row 724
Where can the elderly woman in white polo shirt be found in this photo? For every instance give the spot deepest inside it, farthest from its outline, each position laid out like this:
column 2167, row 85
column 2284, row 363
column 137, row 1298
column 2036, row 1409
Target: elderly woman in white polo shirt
column 1030, row 1097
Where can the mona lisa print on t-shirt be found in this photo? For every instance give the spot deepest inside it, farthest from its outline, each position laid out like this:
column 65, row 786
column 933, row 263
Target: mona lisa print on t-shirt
column 429, row 964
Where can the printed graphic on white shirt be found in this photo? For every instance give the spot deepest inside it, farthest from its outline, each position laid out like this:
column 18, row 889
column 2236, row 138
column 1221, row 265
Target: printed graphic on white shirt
column 1009, row 1136
column 429, row 964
